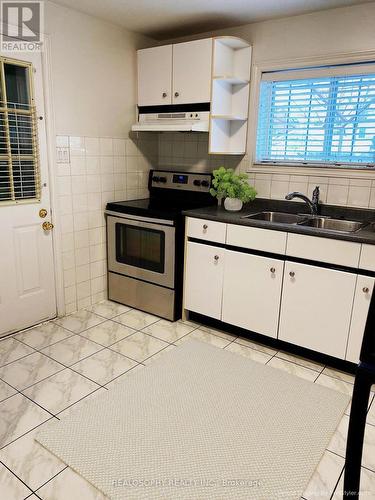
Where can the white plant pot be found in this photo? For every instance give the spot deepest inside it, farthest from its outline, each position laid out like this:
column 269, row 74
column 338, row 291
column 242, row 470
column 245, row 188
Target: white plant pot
column 233, row 204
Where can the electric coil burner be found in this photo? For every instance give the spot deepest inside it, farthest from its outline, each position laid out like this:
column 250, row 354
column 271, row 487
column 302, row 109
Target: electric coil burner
column 146, row 242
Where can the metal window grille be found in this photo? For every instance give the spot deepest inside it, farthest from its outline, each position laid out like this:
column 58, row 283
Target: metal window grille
column 324, row 120
column 19, row 154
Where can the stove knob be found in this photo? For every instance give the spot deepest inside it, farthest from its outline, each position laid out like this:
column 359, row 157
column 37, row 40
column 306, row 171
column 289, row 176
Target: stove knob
column 163, row 180
column 155, row 179
column 205, row 184
column 197, row 182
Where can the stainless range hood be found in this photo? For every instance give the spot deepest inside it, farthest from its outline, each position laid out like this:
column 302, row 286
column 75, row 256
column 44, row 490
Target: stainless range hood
column 190, row 121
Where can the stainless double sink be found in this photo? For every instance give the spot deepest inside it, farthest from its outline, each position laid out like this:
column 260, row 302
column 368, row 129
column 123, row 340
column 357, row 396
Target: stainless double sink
column 319, row 222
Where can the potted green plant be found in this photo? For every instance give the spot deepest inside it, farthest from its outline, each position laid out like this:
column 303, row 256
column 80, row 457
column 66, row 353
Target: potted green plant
column 234, row 188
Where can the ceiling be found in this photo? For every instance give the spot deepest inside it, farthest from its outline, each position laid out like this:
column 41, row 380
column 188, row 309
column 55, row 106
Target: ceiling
column 163, row 19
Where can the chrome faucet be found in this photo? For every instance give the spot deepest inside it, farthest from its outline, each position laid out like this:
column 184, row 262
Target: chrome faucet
column 312, row 204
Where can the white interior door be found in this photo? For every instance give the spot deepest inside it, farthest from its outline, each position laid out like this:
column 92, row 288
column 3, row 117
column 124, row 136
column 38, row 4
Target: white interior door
column 27, row 283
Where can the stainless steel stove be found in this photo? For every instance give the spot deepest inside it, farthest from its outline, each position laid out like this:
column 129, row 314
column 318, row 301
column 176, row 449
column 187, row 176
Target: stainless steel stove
column 145, row 242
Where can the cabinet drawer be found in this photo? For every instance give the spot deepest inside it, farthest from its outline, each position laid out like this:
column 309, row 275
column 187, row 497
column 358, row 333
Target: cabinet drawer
column 206, row 230
column 342, row 253
column 367, row 260
column 256, row 238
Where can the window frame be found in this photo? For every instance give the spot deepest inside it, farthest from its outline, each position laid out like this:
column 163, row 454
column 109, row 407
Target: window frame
column 31, row 112
column 307, row 168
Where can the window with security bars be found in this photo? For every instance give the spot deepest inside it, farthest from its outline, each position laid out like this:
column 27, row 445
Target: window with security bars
column 19, row 159
column 318, row 117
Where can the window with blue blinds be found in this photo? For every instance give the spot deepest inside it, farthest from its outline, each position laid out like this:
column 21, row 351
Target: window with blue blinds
column 325, row 120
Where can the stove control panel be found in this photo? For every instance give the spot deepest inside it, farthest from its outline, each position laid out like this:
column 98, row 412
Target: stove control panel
column 180, row 180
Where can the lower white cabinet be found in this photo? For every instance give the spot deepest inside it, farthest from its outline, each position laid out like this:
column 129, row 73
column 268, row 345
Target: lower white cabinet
column 204, row 279
column 363, row 292
column 251, row 293
column 316, row 308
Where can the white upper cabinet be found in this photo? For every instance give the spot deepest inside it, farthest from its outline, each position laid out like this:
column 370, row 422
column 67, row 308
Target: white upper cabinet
column 155, row 76
column 175, row 74
column 192, row 72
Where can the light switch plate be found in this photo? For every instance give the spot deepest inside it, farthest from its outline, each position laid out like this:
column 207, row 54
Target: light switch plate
column 62, row 155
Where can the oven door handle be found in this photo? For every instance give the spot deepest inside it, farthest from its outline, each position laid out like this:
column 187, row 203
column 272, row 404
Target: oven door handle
column 164, row 222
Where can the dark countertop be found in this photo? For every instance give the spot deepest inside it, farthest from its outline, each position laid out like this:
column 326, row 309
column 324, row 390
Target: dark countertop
column 219, row 214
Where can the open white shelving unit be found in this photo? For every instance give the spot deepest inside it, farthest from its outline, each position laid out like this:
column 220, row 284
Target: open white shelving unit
column 229, row 95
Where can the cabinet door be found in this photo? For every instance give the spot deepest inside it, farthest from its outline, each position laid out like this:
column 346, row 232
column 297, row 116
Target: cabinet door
column 316, row 308
column 155, row 76
column 204, row 279
column 192, row 71
column 252, row 292
column 362, row 298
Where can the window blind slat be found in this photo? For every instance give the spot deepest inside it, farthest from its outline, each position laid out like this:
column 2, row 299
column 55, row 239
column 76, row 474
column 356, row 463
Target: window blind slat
column 330, row 120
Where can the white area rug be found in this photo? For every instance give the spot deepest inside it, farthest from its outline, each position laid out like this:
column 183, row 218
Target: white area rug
column 200, row 423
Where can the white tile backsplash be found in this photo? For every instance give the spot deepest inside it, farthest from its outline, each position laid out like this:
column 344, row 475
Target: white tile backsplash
column 101, row 169
column 189, row 151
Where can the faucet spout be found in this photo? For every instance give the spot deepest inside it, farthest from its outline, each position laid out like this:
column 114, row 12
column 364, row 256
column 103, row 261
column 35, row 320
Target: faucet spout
column 313, row 204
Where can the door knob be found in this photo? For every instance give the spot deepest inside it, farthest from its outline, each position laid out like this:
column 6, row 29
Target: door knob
column 176, row 94
column 47, row 226
column 164, row 94
column 292, row 274
column 365, row 289
column 273, row 270
column 42, row 213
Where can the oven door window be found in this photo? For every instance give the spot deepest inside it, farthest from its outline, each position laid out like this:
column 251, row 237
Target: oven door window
column 140, row 247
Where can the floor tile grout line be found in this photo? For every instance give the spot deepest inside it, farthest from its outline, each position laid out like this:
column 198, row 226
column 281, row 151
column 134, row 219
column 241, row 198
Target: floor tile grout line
column 299, row 364
column 28, row 354
column 337, row 482
column 77, row 333
column 45, row 378
column 36, row 403
column 50, row 479
column 163, row 340
column 14, row 474
column 155, row 353
column 27, row 432
column 296, row 364
column 39, row 349
column 118, row 376
column 78, row 400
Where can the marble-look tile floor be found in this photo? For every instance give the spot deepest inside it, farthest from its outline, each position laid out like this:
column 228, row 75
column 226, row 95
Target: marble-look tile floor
column 50, row 369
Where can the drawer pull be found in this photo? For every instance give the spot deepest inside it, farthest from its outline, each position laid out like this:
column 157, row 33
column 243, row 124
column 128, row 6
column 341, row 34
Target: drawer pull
column 273, row 270
column 292, row 274
column 205, row 227
column 216, row 258
column 365, row 289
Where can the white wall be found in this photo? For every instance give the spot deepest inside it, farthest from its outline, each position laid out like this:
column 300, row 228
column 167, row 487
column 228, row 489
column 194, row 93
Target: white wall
column 309, row 36
column 93, row 72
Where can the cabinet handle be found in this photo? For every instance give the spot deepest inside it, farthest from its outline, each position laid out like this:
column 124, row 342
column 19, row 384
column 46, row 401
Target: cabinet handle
column 273, row 270
column 365, row 289
column 216, row 258
column 205, row 227
column 176, row 94
column 292, row 274
column 164, row 94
